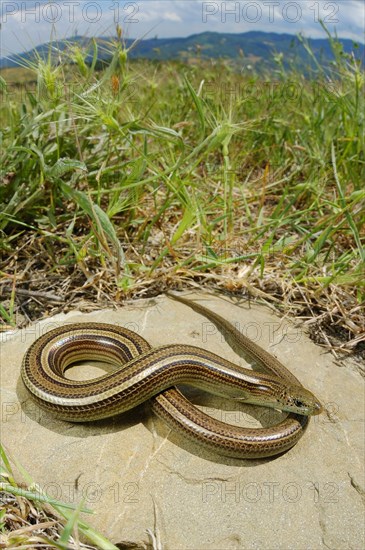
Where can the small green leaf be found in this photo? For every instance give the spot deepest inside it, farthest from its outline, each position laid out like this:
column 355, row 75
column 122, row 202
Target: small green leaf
column 185, row 223
column 65, row 165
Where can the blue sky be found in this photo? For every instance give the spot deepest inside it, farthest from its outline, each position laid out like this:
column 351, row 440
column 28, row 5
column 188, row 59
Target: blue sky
column 26, row 24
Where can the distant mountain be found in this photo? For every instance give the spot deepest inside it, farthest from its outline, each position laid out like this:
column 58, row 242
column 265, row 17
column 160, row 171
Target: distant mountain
column 254, row 48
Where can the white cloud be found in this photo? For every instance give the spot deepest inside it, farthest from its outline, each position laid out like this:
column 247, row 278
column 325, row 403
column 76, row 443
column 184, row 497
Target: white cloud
column 171, row 16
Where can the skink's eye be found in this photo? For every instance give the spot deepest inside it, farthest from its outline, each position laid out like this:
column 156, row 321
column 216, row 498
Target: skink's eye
column 298, row 403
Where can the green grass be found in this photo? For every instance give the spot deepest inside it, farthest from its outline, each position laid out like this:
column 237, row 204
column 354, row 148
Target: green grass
column 146, row 170
column 32, row 519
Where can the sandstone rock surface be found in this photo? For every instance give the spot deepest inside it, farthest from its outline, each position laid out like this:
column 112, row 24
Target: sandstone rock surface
column 137, row 475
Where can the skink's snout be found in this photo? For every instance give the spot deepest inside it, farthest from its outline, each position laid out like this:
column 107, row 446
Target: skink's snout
column 317, row 408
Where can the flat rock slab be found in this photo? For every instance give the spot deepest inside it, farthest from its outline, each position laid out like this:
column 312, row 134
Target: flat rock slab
column 137, row 475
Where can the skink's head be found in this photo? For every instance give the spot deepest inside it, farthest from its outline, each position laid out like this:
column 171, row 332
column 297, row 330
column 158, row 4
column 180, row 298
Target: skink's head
column 289, row 398
column 299, row 400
